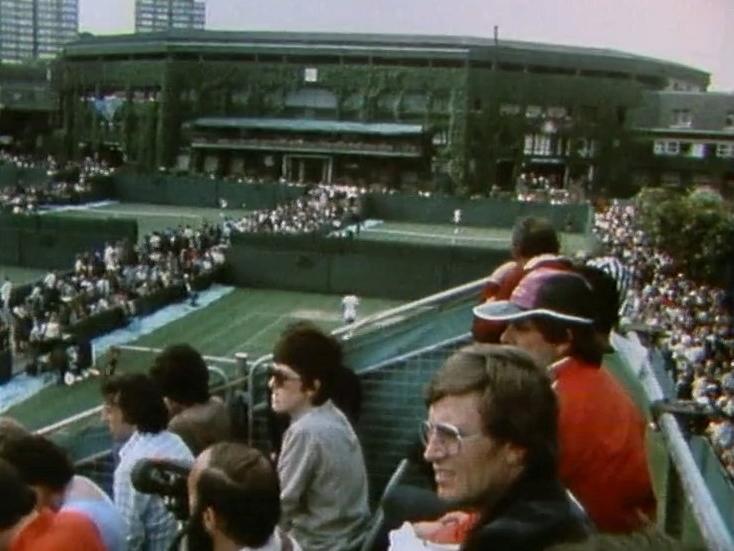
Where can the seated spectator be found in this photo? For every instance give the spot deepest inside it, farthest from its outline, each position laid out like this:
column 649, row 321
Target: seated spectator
column 321, row 469
column 601, row 433
column 183, row 377
column 150, row 526
column 26, row 527
column 47, row 469
column 491, row 439
column 112, row 415
column 535, row 245
column 234, row 498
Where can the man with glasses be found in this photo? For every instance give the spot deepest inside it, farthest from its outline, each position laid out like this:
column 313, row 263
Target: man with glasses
column 321, row 469
column 491, row 440
column 551, row 315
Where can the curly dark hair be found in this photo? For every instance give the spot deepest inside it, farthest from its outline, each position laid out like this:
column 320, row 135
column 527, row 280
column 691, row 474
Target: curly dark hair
column 182, row 375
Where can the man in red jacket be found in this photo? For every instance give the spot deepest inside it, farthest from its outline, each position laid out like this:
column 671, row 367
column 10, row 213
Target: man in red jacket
column 534, row 245
column 601, row 433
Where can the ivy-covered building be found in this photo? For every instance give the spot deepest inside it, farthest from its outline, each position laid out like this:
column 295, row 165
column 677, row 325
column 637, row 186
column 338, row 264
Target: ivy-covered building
column 28, row 105
column 420, row 110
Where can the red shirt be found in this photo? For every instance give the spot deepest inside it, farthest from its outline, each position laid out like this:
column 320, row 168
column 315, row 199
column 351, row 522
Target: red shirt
column 602, row 447
column 64, row 531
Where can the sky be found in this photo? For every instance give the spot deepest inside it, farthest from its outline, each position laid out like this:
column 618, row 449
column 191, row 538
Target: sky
column 692, row 32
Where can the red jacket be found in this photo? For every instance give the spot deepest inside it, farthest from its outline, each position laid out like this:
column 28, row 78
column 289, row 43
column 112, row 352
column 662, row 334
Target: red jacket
column 601, row 435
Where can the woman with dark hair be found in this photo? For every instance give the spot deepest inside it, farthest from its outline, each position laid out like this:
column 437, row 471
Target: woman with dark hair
column 321, row 468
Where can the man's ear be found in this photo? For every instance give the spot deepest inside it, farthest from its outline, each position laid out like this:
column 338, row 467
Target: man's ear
column 315, row 386
column 514, row 456
column 564, row 348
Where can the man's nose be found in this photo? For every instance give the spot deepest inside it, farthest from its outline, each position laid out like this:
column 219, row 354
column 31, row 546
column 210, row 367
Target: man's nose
column 506, row 336
column 432, row 452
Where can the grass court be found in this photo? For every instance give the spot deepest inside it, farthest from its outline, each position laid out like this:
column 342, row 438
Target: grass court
column 460, row 236
column 152, row 218
column 245, row 320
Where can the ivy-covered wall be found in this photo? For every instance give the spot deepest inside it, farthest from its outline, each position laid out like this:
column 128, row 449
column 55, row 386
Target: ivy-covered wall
column 162, row 95
column 597, row 110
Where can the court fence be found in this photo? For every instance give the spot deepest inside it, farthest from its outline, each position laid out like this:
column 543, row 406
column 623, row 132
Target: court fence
column 480, row 212
column 341, row 266
column 52, row 241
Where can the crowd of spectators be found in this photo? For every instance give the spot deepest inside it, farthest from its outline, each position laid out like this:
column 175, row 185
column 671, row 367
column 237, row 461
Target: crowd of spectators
column 321, row 207
column 113, row 278
column 66, row 184
column 548, row 189
column 695, row 320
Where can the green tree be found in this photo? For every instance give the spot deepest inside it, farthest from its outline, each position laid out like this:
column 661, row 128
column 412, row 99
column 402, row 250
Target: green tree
column 696, row 230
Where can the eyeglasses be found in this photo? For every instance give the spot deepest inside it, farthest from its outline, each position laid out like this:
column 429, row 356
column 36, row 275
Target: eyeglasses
column 280, row 377
column 447, row 436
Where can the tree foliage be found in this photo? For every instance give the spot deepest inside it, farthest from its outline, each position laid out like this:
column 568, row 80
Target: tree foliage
column 696, row 230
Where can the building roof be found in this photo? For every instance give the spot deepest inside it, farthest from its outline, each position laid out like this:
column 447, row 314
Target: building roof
column 309, row 125
column 392, row 44
column 707, row 112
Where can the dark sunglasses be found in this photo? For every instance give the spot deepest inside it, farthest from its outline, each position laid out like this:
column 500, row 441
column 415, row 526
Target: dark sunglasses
column 280, row 377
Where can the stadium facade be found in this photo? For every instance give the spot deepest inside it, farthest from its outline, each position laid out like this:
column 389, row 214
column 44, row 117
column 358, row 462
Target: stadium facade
column 427, row 111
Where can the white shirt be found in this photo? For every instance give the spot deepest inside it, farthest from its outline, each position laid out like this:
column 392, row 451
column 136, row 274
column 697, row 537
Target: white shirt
column 350, row 303
column 5, row 291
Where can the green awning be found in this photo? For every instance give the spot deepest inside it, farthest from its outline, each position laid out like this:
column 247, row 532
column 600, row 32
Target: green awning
column 310, row 125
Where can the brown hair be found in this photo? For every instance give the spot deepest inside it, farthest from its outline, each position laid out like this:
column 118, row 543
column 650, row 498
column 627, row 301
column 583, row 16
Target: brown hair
column 241, row 485
column 517, row 405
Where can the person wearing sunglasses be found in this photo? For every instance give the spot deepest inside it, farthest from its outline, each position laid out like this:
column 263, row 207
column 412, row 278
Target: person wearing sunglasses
column 491, row 438
column 323, row 479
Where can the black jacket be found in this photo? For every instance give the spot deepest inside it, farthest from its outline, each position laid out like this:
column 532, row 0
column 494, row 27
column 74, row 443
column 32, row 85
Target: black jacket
column 534, row 515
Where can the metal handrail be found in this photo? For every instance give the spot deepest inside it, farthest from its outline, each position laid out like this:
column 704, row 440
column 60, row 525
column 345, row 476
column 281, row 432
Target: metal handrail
column 708, row 517
column 462, row 291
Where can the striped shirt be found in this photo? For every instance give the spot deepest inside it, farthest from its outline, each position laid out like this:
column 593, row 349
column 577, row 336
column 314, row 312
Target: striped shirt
column 151, row 527
column 618, row 271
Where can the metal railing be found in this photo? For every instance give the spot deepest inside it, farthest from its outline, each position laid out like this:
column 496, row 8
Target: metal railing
column 708, row 517
column 247, row 371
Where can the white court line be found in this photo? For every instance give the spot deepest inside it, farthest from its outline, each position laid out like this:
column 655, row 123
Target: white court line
column 159, row 350
column 136, row 214
column 264, row 329
column 447, row 237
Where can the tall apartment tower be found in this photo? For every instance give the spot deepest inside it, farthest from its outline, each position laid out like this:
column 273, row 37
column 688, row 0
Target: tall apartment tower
column 36, row 29
column 161, row 15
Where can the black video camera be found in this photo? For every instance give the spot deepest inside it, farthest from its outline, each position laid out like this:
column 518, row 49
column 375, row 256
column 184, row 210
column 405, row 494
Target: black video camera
column 164, row 478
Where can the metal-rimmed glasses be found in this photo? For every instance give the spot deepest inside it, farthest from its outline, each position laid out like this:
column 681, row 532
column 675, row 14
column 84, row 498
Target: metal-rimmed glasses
column 446, row 436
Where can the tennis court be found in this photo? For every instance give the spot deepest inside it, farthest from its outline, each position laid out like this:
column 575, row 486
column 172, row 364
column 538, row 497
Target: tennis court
column 245, row 320
column 460, row 236
column 156, row 217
